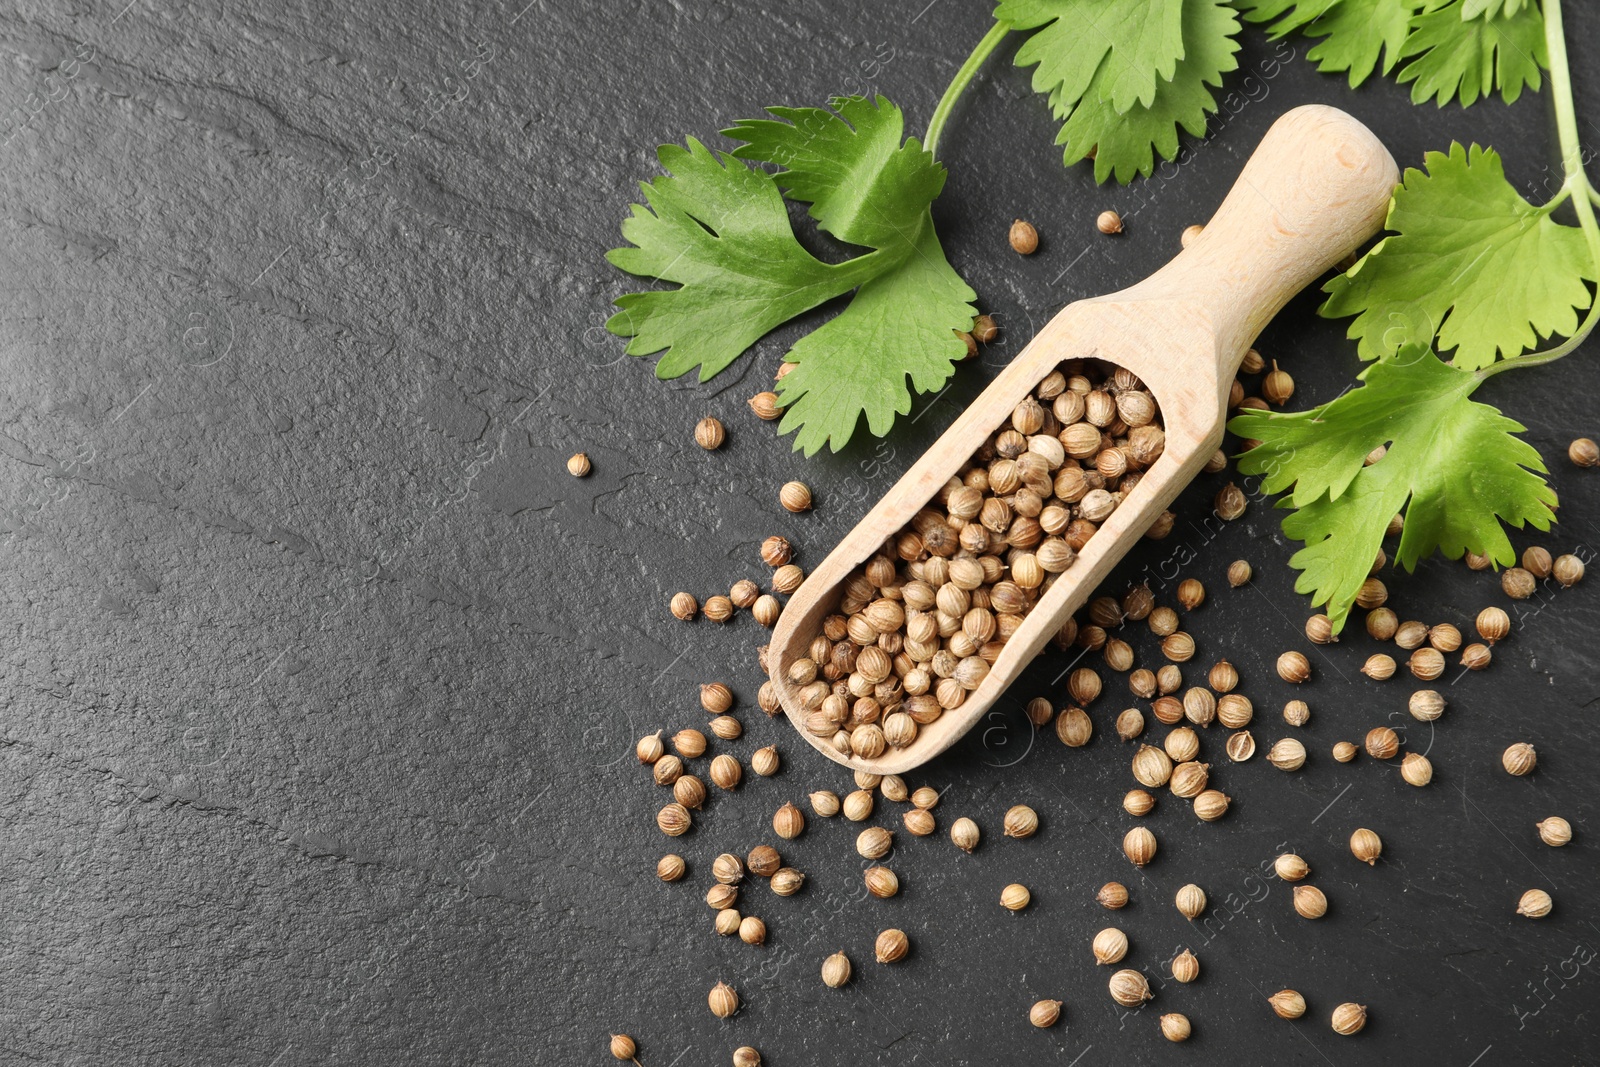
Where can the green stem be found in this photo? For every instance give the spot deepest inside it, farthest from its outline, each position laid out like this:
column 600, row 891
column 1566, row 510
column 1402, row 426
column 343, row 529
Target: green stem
column 958, row 84
column 1576, row 184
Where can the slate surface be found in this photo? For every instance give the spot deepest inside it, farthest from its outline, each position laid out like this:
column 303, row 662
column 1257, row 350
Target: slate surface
column 322, row 677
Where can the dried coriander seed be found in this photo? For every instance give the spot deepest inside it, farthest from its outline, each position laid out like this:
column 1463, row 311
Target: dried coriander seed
column 1379, row 667
column 689, row 743
column 623, row 1047
column 795, row 497
column 1583, row 452
column 1175, row 1027
column 789, row 822
column 1517, row 583
column 920, row 822
column 1239, row 573
column 763, row 860
column 1493, row 624
column 1023, row 237
column 1382, row 742
column 776, row 551
column 649, row 748
column 684, row 606
column 882, row 882
column 1182, row 744
column 1138, row 803
column 765, row 611
column 1345, row 751
column 1021, row 821
column 786, row 881
column 985, row 329
column 745, row 1056
column 1535, row 904
column 765, row 761
column 1444, row 637
column 1319, row 631
column 1109, row 946
column 674, row 820
column 1296, row 713
column 709, row 433
column 1211, row 805
column 727, row 869
column 874, row 842
column 1191, row 901
column 824, row 802
column 1291, row 868
column 1152, row 767
column 1366, row 846
column 765, row 405
column 1310, row 902
column 726, row 728
column 836, row 970
column 1189, row 779
column 579, row 466
column 1426, row 664
column 1230, row 502
column 1287, row 1004
column 1074, row 727
column 892, row 946
column 1416, row 769
column 1185, row 967
column 726, row 772
column 1555, row 831
column 1045, row 1013
column 690, row 792
column 1519, row 759
column 1476, row 657
column 716, row 698
column 964, row 834
column 1015, row 897
column 671, row 867
column 1426, row 705
column 1108, row 222
column 1130, row 723
column 1235, row 711
column 1040, row 711
column 858, row 805
column 1293, row 667
column 723, row 1000
column 1567, row 570
column 722, row 897
column 1349, row 1018
column 1112, row 896
column 787, row 578
column 1537, row 562
column 1191, row 594
column 1129, row 988
column 1241, row 746
column 1139, row 845
column 667, row 769
column 893, row 787
column 1287, row 754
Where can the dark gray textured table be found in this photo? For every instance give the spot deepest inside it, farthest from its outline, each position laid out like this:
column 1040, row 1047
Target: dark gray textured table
column 321, row 676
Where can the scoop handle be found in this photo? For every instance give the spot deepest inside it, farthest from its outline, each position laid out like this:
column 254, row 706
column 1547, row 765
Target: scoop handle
column 1316, row 187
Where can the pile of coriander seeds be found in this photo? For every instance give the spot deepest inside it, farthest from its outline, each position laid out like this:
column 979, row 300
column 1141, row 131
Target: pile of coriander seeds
column 921, row 623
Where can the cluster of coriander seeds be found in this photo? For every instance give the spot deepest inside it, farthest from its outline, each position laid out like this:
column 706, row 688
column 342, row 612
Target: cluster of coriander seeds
column 921, row 623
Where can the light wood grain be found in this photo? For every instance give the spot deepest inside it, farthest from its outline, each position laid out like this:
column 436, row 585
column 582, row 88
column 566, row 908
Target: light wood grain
column 1316, row 188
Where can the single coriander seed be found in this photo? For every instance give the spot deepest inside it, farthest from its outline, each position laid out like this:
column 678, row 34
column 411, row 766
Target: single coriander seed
column 1382, row 742
column 671, row 867
column 1567, row 570
column 745, row 1056
column 684, row 606
column 1129, row 988
column 1023, row 237
column 623, row 1047
column 1291, row 868
column 1110, row 946
column 882, row 882
column 1416, row 769
column 1211, row 805
column 723, row 999
column 1185, row 967
column 649, row 749
column 1109, row 223
column 1015, row 897
column 1021, row 821
column 1175, row 1027
column 1349, row 1018
column 1535, row 904
column 1296, row 713
column 1293, row 667
column 752, row 931
column 1493, row 624
column 985, row 329
column 964, row 834
column 892, row 946
column 1310, row 902
column 776, row 551
column 1583, row 452
column 709, row 433
column 786, row 881
column 765, row 406
column 764, row 761
column 919, row 821
column 1287, row 754
column 1044, row 1013
column 1139, row 845
column 1112, row 896
column 795, row 497
column 1366, row 846
column 718, row 608
column 1426, row 705
column 1345, row 751
column 1519, row 759
column 836, row 970
column 1138, row 802
column 1287, row 1004
column 789, row 822
column 1191, row 901
column 1555, row 831
column 579, row 466
column 1239, row 573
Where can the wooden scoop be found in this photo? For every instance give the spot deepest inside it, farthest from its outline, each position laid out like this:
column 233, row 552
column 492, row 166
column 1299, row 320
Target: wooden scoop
column 1316, row 188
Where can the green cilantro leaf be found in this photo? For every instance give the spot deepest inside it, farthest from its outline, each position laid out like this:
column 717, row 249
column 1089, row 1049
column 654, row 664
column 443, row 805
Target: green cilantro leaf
column 1290, row 15
column 1120, row 48
column 1474, row 8
column 1356, row 34
column 1452, row 52
column 1470, row 261
column 1124, row 140
column 1452, row 466
column 720, row 230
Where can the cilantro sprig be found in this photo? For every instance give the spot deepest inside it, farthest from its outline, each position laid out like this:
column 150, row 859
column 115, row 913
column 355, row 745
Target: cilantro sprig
column 1469, row 267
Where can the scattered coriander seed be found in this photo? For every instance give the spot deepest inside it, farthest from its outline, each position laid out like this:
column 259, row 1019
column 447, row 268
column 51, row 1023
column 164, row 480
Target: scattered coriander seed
column 1162, row 621
column 623, row 1047
column 1178, row 647
column 1583, row 452
column 1382, row 742
column 1493, row 624
column 1366, row 846
column 1319, row 630
column 1108, row 223
column 723, row 999
column 920, row 822
column 1175, row 1027
column 1083, row 685
column 1567, row 570
column 1191, row 901
column 684, row 606
column 716, row 698
column 1519, row 759
column 1426, row 705
column 718, row 608
column 1287, row 1004
column 579, row 466
column 1291, row 868
column 722, row 897
column 925, row 797
column 1139, row 845
column 671, row 867
column 964, row 834
column 874, row 842
column 689, row 743
column 745, row 1056
column 764, row 861
column 893, row 787
column 882, row 882
column 726, row 772
column 765, row 405
column 1152, row 767
column 1182, row 744
column 985, row 329
column 1239, row 573
column 858, row 805
column 867, row 779
column 1296, row 713
column 1517, row 583
column 765, row 611
column 1230, row 502
column 1189, row 779
column 1411, row 634
column 1015, row 897
column 1138, row 802
column 726, row 728
column 776, row 551
column 1345, row 751
column 1426, row 664
column 1416, row 769
column 1110, row 946
column 892, row 946
column 1536, row 561
column 1044, row 1013
column 1168, row 710
column 1476, row 657
column 709, row 433
column 1382, row 623
column 1130, row 723
column 1023, row 237
column 1535, row 904
column 1021, row 821
column 1241, row 746
column 1224, row 677
column 1040, row 711
column 1277, row 386
column 667, row 769
column 836, row 970
column 689, row 791
column 1190, row 233
column 1287, row 754
column 1475, row 562
column 1211, row 805
column 1293, row 667
column 649, row 749
column 1185, row 967
column 1310, row 902
column 1252, row 363
column 674, row 820
column 824, row 802
column 787, row 578
column 764, row 761
column 727, row 869
column 1372, row 594
column 1379, row 667
column 789, row 822
column 1191, row 593
column 795, row 497
column 1112, row 896
column 970, row 341
column 1074, row 727
column 1234, row 710
column 1555, row 831
column 1349, row 1019
column 1129, row 988
column 786, row 881
column 1444, row 637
